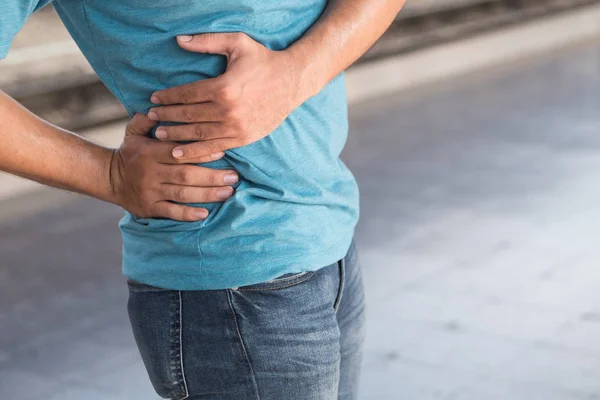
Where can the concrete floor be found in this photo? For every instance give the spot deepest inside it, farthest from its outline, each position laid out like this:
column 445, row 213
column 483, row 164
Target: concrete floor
column 479, row 240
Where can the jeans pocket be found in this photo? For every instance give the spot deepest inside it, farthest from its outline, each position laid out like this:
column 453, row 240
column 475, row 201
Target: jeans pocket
column 155, row 316
column 285, row 281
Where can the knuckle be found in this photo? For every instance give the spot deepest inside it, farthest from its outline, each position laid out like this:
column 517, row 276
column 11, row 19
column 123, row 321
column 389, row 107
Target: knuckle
column 217, row 179
column 190, row 214
column 212, row 147
column 181, row 195
column 184, row 177
column 222, row 93
column 211, row 195
column 232, row 113
column 187, row 115
column 190, row 153
column 226, row 93
column 236, row 124
column 184, row 215
column 186, row 95
column 199, row 131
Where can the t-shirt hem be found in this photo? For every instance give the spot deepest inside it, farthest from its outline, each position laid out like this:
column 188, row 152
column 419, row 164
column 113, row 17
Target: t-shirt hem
column 193, row 280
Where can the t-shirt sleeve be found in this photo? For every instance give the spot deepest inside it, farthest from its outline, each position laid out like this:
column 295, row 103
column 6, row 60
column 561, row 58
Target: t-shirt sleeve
column 13, row 14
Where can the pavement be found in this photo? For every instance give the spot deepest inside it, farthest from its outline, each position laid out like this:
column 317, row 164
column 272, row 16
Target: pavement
column 478, row 238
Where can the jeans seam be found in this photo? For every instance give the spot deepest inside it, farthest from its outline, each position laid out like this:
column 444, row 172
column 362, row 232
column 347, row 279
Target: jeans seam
column 342, row 269
column 242, row 345
column 184, row 381
column 176, row 361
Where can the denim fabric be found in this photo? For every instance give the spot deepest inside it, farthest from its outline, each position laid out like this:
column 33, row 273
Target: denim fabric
column 298, row 337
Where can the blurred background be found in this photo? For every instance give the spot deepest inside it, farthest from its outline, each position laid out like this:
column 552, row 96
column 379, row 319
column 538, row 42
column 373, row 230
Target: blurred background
column 475, row 138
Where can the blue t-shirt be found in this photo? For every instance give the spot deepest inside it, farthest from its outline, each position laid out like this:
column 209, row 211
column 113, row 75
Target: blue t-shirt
column 296, row 205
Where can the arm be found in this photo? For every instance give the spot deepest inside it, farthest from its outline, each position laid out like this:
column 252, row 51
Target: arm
column 39, row 151
column 261, row 87
column 141, row 176
column 345, row 31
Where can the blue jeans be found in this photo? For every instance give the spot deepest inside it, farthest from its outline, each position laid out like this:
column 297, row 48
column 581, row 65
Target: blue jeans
column 298, row 337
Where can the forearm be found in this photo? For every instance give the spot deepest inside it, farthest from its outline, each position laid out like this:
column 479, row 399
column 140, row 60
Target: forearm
column 37, row 150
column 345, row 31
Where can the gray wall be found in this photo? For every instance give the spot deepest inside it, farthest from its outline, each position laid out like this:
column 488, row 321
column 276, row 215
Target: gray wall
column 424, row 6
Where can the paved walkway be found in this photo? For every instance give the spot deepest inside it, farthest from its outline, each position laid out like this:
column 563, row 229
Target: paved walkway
column 479, row 240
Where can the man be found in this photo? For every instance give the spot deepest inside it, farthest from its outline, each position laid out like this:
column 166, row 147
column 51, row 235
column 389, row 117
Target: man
column 248, row 295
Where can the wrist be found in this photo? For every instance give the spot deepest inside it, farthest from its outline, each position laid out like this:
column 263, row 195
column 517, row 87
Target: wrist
column 309, row 72
column 114, row 177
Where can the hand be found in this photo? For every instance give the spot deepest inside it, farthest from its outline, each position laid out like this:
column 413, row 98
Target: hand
column 258, row 91
column 146, row 179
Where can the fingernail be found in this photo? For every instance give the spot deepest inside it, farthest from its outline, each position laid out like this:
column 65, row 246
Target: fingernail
column 216, row 156
column 231, row 178
column 177, row 153
column 184, row 38
column 161, row 134
column 201, row 214
column 154, row 99
column 224, row 193
column 153, row 115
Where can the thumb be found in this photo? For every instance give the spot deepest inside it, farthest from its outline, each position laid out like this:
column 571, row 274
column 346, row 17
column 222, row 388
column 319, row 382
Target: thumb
column 140, row 125
column 213, row 43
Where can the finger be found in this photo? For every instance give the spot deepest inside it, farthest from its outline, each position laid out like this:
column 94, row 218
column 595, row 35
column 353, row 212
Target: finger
column 213, row 43
column 201, row 149
column 194, row 160
column 202, row 112
column 196, row 92
column 139, row 125
column 191, row 194
column 192, row 175
column 163, row 153
column 202, row 131
column 178, row 212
